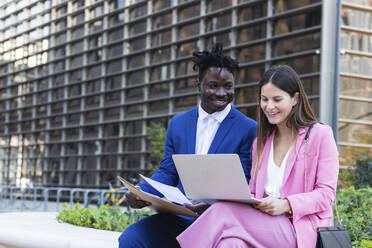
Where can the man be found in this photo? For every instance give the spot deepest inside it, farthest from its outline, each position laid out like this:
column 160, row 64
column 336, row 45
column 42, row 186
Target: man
column 213, row 127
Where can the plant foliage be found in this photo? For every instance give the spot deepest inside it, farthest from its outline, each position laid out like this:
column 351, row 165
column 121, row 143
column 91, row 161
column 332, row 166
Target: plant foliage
column 103, row 217
column 363, row 172
column 355, row 209
column 156, row 135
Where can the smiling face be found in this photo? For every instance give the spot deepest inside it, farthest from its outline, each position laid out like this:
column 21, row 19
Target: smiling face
column 216, row 89
column 276, row 104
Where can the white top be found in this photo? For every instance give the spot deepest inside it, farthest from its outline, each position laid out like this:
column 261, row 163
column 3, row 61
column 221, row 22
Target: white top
column 275, row 174
column 207, row 127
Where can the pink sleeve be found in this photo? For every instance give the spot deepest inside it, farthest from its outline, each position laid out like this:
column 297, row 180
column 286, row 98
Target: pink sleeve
column 252, row 182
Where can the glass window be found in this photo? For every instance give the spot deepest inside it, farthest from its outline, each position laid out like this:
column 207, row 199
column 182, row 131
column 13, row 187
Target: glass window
column 159, row 90
column 114, row 66
column 77, row 4
column 92, row 101
column 184, row 68
column 61, row 24
column 161, row 20
column 60, row 52
column 132, row 144
column 297, row 22
column 224, row 38
column 116, row 19
column 134, row 94
column 94, row 71
column 217, row 4
column 356, row 18
column 77, row 47
column 116, row 4
column 251, row 74
column 95, row 56
column 311, row 85
column 112, row 97
column 356, row 64
column 95, row 41
column 160, row 55
column 115, row 34
column 115, row 50
column 91, row 116
column 136, row 61
column 61, row 10
column 138, row 11
column 160, row 73
column 354, row 133
column 137, row 77
column 356, row 41
column 59, row 66
column 111, row 113
column 252, row 12
column 355, row 110
column 347, row 153
column 159, row 107
column 161, row 4
column 160, row 38
column 252, row 53
column 188, row 30
column 134, row 110
column 255, row 32
column 73, row 105
column 58, row 94
column 93, row 86
column 185, row 85
column 113, row 82
column 57, row 108
column 302, row 65
column 96, row 26
column 73, row 119
column 246, row 95
column 283, row 5
column 76, row 61
column 60, row 38
column 137, row 44
column 296, row 44
column 111, row 130
column 77, row 19
column 74, row 90
column 222, row 20
column 137, row 28
column 186, row 49
column 76, row 76
column 249, row 111
column 355, row 87
column 72, row 133
column 189, row 12
column 96, row 11
column 185, row 103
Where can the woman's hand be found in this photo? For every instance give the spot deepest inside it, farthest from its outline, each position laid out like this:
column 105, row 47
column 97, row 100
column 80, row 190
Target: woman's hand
column 273, row 206
column 197, row 207
column 134, row 201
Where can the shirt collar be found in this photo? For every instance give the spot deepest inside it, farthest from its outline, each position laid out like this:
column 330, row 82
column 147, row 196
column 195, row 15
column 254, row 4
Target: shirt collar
column 218, row 116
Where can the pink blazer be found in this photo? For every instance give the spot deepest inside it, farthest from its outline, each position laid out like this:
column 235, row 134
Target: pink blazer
column 315, row 203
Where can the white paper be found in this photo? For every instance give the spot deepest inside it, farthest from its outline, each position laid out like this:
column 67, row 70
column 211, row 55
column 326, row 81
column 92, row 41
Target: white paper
column 173, row 194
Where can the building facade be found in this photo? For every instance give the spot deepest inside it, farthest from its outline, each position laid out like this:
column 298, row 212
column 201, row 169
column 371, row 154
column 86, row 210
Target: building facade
column 81, row 80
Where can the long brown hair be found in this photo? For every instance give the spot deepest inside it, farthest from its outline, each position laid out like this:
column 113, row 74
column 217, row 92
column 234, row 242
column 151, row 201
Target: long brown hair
column 301, row 115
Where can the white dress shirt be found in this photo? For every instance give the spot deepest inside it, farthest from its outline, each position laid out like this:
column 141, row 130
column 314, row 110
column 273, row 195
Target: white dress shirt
column 207, row 127
column 275, row 174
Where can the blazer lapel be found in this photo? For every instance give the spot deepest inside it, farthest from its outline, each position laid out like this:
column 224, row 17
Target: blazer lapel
column 261, row 173
column 294, row 153
column 191, row 131
column 222, row 131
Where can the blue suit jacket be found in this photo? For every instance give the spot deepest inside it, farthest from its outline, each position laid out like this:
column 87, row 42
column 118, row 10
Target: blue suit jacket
column 234, row 135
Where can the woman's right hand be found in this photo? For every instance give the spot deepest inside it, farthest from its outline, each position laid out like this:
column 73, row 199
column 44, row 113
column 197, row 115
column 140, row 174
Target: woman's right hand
column 134, row 201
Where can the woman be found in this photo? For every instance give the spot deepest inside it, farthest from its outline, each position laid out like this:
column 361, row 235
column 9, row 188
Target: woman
column 296, row 178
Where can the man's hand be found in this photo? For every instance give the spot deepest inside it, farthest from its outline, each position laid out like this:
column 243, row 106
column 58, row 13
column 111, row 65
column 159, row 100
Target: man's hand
column 273, row 206
column 197, row 207
column 134, row 201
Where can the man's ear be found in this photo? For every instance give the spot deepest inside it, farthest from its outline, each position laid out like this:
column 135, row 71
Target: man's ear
column 198, row 84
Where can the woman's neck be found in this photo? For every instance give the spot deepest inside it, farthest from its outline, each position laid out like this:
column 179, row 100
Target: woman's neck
column 284, row 132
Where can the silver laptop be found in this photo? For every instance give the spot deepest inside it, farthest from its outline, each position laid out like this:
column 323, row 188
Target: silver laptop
column 213, row 176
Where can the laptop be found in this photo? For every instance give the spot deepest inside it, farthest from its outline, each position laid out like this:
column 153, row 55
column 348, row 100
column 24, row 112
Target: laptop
column 213, row 176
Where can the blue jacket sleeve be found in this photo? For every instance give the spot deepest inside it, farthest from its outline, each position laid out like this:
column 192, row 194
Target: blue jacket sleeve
column 245, row 151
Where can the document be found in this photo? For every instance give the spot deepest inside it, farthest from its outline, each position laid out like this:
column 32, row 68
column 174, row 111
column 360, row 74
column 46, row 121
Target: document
column 173, row 194
column 158, row 203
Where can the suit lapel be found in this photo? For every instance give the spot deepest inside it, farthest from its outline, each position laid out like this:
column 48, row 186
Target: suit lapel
column 222, row 131
column 294, row 153
column 191, row 131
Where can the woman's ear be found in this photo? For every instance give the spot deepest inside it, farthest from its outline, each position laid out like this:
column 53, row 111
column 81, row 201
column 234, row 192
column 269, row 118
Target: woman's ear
column 295, row 98
column 198, row 85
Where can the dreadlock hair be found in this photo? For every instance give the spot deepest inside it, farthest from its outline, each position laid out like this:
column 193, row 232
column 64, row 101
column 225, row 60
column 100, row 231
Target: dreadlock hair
column 215, row 58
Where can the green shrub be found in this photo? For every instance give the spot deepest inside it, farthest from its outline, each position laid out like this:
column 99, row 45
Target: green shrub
column 355, row 209
column 156, row 135
column 103, row 217
column 363, row 172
